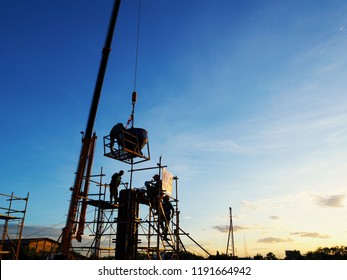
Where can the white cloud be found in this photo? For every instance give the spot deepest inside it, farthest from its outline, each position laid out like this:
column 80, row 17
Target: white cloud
column 274, row 240
column 311, row 234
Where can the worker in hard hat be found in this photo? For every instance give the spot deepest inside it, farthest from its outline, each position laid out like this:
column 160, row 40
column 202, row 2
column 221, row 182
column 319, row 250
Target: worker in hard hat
column 114, row 184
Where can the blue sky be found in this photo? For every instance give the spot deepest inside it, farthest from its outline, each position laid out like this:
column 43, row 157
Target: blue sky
column 244, row 100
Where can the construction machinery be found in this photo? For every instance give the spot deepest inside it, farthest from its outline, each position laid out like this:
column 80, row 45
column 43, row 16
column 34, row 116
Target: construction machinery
column 155, row 236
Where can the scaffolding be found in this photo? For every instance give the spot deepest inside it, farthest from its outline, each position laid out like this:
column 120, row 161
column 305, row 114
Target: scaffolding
column 103, row 223
column 119, row 231
column 15, row 212
column 161, row 236
column 152, row 235
column 134, row 228
column 99, row 231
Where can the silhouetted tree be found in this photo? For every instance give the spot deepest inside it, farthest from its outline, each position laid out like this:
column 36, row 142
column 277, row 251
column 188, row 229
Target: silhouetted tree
column 293, row 255
column 270, row 256
column 189, row 256
column 333, row 253
column 258, row 257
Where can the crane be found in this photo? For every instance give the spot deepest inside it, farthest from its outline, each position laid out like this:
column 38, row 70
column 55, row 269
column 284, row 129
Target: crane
column 74, row 222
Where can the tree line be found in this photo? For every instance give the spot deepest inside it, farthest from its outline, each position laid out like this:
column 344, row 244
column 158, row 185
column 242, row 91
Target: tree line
column 321, row 253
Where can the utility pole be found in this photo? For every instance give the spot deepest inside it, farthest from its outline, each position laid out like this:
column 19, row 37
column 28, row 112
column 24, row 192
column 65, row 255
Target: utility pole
column 230, row 236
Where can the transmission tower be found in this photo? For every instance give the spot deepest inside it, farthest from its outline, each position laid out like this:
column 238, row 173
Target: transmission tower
column 230, row 237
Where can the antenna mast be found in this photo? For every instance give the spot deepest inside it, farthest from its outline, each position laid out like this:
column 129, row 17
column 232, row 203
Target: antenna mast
column 230, row 237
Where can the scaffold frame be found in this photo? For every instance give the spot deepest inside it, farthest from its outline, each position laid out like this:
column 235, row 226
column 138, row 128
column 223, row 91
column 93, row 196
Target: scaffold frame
column 13, row 213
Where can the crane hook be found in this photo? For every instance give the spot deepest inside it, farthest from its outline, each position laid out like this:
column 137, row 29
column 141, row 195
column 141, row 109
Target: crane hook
column 134, row 97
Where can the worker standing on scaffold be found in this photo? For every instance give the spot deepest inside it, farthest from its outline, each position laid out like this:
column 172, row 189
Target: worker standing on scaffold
column 154, row 191
column 167, row 215
column 114, row 184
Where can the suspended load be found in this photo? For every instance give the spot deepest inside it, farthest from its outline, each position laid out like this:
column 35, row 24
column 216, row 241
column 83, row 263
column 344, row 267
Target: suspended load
column 129, row 145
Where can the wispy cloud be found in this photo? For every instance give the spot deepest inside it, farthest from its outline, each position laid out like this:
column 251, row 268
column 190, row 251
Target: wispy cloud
column 330, row 201
column 297, row 128
column 274, row 240
column 270, row 204
column 227, row 146
column 225, row 228
column 274, row 217
column 195, row 142
column 277, row 203
column 250, row 205
column 311, row 234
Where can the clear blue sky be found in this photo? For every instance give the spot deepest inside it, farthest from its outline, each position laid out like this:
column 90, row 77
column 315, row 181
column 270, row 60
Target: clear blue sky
column 244, row 100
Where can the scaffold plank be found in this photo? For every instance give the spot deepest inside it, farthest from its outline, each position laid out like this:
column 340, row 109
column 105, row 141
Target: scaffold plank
column 7, row 217
column 102, row 204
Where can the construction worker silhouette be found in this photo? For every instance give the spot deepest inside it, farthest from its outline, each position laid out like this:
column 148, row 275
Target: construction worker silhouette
column 116, row 133
column 154, row 191
column 167, row 215
column 114, row 184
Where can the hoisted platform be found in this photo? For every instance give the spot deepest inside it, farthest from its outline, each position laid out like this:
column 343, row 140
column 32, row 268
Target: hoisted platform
column 128, row 145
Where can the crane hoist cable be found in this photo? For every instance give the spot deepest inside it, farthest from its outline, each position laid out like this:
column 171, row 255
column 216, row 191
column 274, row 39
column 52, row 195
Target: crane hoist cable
column 137, row 44
column 134, row 94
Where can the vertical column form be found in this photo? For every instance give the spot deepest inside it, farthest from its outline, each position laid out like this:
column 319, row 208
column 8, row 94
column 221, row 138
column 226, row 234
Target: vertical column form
column 127, row 225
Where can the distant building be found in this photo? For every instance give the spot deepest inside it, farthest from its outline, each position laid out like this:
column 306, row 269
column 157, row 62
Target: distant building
column 31, row 247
